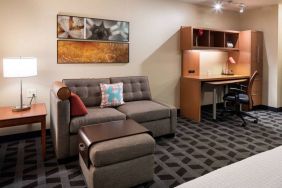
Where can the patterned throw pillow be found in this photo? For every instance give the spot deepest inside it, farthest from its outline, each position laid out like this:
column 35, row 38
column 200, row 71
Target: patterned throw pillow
column 112, row 94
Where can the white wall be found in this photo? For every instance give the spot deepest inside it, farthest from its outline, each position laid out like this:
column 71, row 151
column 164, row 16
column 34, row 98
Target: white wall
column 28, row 28
column 280, row 55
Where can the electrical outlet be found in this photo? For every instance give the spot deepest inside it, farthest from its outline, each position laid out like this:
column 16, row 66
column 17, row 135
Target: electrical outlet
column 31, row 92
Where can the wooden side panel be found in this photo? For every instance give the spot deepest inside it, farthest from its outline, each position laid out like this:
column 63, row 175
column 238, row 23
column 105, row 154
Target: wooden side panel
column 242, row 58
column 256, row 99
column 257, row 87
column 186, row 38
column 191, row 63
column 257, row 64
column 257, row 92
column 190, row 98
column 257, row 53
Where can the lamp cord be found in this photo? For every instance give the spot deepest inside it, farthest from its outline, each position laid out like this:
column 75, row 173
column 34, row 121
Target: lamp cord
column 33, row 96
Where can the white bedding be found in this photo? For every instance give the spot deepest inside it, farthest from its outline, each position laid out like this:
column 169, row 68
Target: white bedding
column 263, row 170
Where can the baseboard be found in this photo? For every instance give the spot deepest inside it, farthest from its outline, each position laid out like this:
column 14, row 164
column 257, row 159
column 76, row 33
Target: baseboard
column 33, row 134
column 259, row 107
column 20, row 136
column 265, row 107
column 210, row 106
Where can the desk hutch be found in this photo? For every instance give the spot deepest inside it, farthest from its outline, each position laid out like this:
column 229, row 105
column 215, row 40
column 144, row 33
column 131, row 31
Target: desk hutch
column 246, row 48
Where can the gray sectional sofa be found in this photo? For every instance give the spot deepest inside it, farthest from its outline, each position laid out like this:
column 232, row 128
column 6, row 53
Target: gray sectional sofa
column 159, row 118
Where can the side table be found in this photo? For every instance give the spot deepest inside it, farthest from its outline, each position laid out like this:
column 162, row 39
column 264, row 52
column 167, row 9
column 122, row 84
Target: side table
column 37, row 114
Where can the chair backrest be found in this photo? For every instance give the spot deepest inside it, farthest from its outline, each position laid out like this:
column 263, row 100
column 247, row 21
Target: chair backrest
column 250, row 87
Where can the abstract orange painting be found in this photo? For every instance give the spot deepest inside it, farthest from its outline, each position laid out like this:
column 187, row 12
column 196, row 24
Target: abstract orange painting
column 78, row 52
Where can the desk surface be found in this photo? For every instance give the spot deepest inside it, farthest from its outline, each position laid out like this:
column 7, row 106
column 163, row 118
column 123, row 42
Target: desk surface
column 216, row 77
column 226, row 82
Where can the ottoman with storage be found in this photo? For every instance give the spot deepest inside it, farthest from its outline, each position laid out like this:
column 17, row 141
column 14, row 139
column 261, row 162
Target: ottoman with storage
column 116, row 154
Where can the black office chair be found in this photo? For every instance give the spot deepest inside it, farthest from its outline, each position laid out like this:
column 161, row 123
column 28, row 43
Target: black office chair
column 238, row 97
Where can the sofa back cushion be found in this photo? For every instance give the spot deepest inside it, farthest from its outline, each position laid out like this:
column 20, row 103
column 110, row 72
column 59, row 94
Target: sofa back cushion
column 134, row 87
column 87, row 89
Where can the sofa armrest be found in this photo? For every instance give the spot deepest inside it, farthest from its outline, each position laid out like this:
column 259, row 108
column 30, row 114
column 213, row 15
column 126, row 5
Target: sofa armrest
column 173, row 114
column 61, row 90
column 59, row 124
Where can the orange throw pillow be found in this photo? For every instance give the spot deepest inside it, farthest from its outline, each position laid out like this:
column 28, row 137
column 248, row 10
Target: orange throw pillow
column 77, row 107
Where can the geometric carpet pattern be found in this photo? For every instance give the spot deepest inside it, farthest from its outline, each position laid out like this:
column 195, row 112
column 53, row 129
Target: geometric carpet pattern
column 196, row 149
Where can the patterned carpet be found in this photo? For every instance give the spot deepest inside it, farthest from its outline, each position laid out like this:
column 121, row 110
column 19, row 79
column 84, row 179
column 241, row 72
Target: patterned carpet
column 196, row 150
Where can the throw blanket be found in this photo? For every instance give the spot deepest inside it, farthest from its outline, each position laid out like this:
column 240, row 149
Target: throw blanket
column 263, row 170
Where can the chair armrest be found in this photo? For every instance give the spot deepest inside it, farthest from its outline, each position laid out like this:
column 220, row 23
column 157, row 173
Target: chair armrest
column 173, row 115
column 244, row 86
column 59, row 125
column 238, row 91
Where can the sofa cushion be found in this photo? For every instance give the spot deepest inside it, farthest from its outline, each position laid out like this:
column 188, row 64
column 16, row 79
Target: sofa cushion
column 87, row 89
column 121, row 149
column 134, row 88
column 144, row 111
column 77, row 108
column 95, row 115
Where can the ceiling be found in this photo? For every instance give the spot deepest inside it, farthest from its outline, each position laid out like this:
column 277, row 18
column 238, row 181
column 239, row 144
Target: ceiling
column 249, row 3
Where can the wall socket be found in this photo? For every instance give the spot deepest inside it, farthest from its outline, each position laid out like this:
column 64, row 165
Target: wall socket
column 31, row 92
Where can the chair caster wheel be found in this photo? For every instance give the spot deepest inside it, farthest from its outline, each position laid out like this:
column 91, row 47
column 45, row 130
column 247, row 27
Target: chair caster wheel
column 256, row 121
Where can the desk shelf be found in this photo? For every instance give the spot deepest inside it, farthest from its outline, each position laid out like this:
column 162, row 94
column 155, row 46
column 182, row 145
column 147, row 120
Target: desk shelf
column 208, row 39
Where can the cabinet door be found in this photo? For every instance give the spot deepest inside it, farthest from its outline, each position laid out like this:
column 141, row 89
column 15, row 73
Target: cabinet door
column 257, row 92
column 257, row 53
column 243, row 57
column 257, row 64
column 186, row 38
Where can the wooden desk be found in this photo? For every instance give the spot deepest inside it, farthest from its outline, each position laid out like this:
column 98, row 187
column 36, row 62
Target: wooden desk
column 215, row 85
column 191, row 92
column 36, row 114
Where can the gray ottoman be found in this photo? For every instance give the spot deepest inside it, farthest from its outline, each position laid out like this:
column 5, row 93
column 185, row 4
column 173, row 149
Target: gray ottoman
column 121, row 162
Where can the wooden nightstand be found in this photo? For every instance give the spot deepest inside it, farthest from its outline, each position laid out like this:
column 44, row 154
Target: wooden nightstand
column 37, row 114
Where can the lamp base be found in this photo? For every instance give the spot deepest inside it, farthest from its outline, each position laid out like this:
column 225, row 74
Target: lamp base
column 20, row 108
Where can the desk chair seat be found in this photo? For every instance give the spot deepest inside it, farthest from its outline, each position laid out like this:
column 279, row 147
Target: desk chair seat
column 238, row 97
column 242, row 98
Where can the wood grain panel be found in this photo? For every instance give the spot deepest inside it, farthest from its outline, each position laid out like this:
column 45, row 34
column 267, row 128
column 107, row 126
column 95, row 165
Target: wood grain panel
column 256, row 99
column 257, row 53
column 216, row 77
column 186, row 38
column 242, row 58
column 257, row 86
column 191, row 63
column 6, row 113
column 190, row 97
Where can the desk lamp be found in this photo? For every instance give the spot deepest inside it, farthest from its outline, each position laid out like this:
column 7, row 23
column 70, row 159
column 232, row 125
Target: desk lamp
column 226, row 71
column 20, row 68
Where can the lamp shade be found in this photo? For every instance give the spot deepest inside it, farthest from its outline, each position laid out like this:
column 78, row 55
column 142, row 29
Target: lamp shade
column 231, row 60
column 19, row 67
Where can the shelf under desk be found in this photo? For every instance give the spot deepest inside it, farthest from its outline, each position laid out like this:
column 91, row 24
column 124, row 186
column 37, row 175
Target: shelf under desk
column 191, row 92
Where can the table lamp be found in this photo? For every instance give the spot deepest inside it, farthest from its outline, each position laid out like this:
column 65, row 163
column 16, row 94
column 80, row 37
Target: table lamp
column 20, row 68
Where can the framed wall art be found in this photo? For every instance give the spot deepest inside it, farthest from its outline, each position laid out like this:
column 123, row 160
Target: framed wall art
column 74, row 27
column 70, row 27
column 83, row 52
